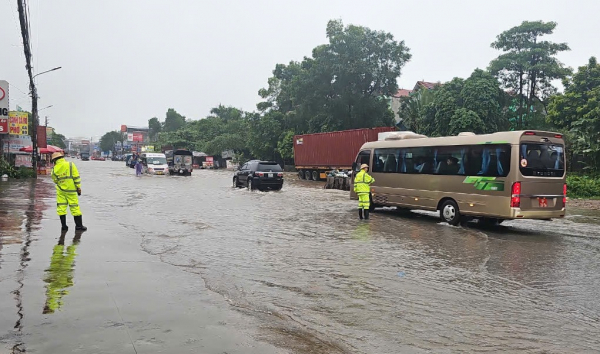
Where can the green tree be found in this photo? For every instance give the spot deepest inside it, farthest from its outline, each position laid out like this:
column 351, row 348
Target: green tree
column 465, row 120
column 155, row 127
column 58, row 140
column 577, row 112
column 529, row 64
column 173, row 121
column 109, row 139
column 342, row 85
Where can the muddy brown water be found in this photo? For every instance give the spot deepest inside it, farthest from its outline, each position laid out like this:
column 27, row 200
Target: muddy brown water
column 320, row 281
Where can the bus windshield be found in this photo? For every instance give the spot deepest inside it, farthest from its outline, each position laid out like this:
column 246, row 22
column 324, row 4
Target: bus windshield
column 542, row 159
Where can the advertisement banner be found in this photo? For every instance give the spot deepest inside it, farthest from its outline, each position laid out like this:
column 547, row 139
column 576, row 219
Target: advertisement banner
column 18, row 123
column 138, row 137
column 123, row 128
column 3, row 125
column 4, row 107
column 130, row 137
column 23, row 160
column 13, row 143
column 41, row 137
column 49, row 133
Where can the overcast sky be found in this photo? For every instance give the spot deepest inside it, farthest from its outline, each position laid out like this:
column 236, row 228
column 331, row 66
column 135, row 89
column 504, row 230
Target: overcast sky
column 125, row 61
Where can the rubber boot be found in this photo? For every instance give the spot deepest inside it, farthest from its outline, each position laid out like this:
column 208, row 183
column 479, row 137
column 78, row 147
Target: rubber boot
column 79, row 223
column 63, row 222
column 366, row 214
column 360, row 213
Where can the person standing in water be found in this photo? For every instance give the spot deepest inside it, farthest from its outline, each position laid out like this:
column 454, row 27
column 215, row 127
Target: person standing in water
column 138, row 168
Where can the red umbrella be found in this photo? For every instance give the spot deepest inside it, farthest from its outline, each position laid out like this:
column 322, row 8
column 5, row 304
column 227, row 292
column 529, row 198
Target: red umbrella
column 47, row 150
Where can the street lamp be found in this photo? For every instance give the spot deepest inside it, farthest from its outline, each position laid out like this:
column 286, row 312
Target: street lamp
column 47, row 71
column 34, row 113
column 41, row 109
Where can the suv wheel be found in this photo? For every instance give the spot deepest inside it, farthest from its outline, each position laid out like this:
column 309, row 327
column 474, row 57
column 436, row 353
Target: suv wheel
column 250, row 184
column 235, row 183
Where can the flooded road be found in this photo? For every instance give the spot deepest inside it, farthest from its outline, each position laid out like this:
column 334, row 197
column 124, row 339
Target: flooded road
column 311, row 278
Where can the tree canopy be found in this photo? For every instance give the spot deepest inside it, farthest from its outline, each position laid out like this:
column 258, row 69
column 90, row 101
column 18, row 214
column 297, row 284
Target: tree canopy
column 577, row 111
column 528, row 65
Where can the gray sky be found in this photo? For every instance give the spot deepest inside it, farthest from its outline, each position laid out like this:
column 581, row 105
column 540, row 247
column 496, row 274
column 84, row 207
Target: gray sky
column 125, row 61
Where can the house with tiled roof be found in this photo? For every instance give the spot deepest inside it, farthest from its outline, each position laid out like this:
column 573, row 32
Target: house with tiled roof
column 396, row 99
column 425, row 84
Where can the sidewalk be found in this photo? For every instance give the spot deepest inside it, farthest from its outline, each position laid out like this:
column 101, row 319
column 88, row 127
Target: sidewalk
column 103, row 294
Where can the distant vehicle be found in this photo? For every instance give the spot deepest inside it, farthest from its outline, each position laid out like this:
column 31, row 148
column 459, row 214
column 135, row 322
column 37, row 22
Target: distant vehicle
column 491, row 177
column 261, row 175
column 100, row 158
column 85, row 156
column 180, row 162
column 317, row 154
column 154, row 163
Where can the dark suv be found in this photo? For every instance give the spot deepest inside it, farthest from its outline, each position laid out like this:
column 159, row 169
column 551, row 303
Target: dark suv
column 259, row 175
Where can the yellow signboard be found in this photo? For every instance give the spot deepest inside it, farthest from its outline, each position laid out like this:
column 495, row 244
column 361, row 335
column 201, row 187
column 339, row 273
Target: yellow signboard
column 18, row 123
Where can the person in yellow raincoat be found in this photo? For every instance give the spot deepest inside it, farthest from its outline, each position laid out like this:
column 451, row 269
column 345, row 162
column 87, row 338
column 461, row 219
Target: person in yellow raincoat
column 68, row 188
column 362, row 187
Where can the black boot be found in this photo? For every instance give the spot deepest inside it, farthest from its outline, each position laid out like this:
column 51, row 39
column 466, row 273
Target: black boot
column 63, row 221
column 79, row 223
column 367, row 214
column 360, row 213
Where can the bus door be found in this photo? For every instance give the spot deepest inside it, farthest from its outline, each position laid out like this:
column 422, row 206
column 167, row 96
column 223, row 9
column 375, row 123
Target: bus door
column 542, row 166
column 363, row 157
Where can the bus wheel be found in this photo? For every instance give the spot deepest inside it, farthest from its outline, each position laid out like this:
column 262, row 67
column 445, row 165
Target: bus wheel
column 307, row 175
column 300, row 174
column 449, row 212
column 315, row 175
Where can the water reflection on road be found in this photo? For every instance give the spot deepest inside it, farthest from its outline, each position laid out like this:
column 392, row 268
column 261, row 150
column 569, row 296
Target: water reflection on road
column 321, row 281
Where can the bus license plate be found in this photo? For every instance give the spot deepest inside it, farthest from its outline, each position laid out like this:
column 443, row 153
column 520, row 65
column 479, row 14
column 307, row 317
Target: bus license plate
column 543, row 202
column 270, row 175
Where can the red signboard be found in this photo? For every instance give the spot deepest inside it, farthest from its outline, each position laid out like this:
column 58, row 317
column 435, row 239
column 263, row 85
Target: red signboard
column 138, row 137
column 41, row 136
column 3, row 125
column 123, row 128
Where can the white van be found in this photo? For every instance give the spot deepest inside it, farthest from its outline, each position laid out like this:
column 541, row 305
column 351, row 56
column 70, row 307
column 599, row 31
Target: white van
column 154, row 163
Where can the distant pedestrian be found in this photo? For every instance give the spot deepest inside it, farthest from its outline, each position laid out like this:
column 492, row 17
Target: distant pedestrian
column 138, row 168
column 68, row 187
column 362, row 187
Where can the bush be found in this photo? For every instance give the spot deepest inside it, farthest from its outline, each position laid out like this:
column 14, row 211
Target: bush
column 14, row 172
column 583, row 186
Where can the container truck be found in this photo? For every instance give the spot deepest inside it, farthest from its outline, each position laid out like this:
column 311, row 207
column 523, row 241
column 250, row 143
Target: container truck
column 317, row 154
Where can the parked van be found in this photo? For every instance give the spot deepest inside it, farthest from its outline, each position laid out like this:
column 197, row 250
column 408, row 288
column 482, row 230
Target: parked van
column 154, row 163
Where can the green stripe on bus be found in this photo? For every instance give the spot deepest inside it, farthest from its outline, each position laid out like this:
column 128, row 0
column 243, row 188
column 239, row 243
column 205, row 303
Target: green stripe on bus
column 485, row 183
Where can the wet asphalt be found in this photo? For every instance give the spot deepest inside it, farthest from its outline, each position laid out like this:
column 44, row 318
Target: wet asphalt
column 193, row 265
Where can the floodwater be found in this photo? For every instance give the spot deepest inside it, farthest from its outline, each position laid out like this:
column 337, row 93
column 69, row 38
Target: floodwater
column 315, row 279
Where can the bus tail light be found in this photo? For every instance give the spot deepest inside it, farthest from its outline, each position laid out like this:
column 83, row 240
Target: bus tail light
column 558, row 136
column 529, row 133
column 564, row 194
column 515, row 199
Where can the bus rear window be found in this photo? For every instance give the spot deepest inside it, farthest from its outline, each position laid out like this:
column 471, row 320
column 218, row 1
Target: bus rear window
column 542, row 159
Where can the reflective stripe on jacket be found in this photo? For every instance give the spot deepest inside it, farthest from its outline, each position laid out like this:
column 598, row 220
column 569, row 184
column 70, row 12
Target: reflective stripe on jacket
column 362, row 181
column 65, row 176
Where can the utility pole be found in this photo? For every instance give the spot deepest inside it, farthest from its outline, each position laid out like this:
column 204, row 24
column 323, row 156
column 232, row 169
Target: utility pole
column 32, row 90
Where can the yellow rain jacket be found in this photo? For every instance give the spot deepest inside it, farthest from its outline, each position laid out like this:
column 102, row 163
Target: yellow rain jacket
column 67, row 180
column 362, row 187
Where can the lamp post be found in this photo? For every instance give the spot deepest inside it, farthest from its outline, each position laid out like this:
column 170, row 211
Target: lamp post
column 35, row 123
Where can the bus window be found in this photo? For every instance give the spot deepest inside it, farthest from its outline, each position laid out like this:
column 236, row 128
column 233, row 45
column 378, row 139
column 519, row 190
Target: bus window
column 488, row 160
column 449, row 160
column 542, row 159
column 386, row 160
column 364, row 157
